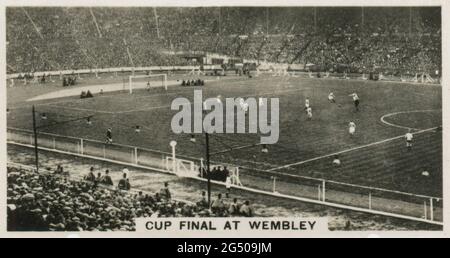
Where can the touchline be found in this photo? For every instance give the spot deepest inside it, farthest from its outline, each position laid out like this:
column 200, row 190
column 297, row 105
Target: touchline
column 208, row 116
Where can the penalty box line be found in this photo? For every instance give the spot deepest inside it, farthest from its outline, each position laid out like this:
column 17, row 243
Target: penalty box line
column 349, row 150
column 56, row 104
column 245, row 96
column 77, row 101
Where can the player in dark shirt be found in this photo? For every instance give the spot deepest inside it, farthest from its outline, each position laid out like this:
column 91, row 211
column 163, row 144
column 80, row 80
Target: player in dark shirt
column 109, row 136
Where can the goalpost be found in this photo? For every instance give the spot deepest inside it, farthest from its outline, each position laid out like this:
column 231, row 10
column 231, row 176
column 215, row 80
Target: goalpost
column 151, row 81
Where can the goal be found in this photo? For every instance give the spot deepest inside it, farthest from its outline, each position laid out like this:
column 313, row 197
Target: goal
column 149, row 82
column 181, row 167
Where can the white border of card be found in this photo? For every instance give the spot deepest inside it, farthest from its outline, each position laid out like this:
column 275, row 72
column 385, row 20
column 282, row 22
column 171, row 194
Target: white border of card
column 299, row 224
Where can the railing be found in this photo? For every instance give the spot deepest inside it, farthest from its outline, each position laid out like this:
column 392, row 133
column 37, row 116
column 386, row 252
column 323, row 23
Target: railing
column 331, row 193
column 112, row 70
column 328, row 191
column 118, row 152
column 297, row 69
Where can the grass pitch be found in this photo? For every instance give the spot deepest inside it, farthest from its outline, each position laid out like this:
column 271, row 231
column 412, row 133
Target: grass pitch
column 305, row 147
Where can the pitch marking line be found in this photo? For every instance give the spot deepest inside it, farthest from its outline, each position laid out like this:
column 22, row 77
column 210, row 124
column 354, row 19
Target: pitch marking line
column 81, row 109
column 143, row 109
column 118, row 112
column 236, row 148
column 101, row 97
column 349, row 150
column 55, row 103
column 246, row 96
column 383, row 120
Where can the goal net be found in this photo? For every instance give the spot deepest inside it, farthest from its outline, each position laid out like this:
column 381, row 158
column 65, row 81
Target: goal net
column 148, row 82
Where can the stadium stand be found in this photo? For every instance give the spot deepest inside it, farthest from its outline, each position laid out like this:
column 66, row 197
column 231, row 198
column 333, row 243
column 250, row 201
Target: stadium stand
column 55, row 202
column 370, row 39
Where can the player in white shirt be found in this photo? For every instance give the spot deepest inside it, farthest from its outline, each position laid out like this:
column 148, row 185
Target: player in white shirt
column 307, row 103
column 351, row 128
column 409, row 137
column 355, row 100
column 264, row 149
column 331, row 97
column 217, row 100
column 244, row 105
column 309, row 113
column 261, row 102
column 336, row 161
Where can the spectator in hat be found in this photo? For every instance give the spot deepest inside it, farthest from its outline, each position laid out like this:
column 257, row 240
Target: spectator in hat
column 124, row 184
column 90, row 177
column 98, row 179
column 246, row 210
column 107, row 180
column 165, row 192
column 234, row 208
column 59, row 170
column 218, row 205
column 228, row 184
column 203, row 203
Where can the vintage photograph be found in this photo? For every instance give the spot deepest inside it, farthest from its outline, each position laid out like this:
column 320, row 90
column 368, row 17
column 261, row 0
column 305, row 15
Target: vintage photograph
column 116, row 114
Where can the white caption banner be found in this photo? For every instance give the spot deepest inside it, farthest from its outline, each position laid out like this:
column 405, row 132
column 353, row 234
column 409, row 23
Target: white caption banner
column 231, row 227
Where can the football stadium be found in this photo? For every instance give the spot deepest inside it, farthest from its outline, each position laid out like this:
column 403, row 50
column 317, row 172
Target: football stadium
column 90, row 94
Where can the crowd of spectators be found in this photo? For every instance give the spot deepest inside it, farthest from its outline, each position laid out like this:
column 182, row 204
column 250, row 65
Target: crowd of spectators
column 222, row 208
column 53, row 201
column 218, row 173
column 390, row 40
column 198, row 82
column 363, row 53
column 69, row 81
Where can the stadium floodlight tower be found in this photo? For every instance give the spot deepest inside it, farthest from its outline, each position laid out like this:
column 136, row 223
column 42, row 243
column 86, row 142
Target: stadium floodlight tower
column 148, row 81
